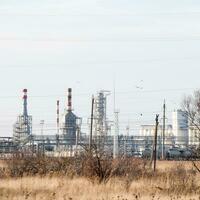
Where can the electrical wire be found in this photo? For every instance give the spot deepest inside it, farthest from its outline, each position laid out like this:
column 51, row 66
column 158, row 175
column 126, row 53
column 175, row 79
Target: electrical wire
column 117, row 92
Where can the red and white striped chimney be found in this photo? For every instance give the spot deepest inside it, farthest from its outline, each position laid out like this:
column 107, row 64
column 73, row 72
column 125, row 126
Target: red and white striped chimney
column 25, row 110
column 69, row 99
column 58, row 116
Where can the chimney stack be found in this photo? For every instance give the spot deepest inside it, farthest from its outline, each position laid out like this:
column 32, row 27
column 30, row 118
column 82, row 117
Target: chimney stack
column 69, row 99
column 25, row 111
column 58, row 116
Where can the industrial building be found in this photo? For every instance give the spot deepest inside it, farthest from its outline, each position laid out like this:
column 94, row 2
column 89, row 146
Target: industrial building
column 65, row 138
column 69, row 139
column 70, row 127
column 149, row 130
column 176, row 134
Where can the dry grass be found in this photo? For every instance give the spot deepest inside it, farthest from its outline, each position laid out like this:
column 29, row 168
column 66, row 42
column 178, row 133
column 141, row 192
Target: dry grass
column 163, row 165
column 129, row 180
column 81, row 189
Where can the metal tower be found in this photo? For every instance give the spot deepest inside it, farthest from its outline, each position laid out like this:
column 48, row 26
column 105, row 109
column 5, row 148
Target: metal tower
column 100, row 114
column 23, row 126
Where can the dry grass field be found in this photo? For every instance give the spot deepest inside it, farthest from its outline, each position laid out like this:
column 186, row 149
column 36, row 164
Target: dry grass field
column 163, row 165
column 81, row 189
column 173, row 181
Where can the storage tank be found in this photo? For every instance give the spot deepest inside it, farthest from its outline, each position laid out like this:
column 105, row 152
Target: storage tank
column 180, row 127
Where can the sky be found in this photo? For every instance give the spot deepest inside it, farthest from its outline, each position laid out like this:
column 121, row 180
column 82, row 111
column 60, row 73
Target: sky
column 149, row 49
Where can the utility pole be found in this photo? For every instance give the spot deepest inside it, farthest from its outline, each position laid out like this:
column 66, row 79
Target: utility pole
column 126, row 137
column 163, row 132
column 155, row 144
column 91, row 124
column 116, row 126
column 42, row 127
column 116, row 136
column 42, row 130
column 58, row 125
column 77, row 138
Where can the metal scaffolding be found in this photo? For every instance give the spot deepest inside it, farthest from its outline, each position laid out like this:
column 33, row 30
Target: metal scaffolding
column 100, row 118
column 22, row 129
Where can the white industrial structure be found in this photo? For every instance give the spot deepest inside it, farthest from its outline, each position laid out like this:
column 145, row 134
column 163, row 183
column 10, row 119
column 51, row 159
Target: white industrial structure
column 149, row 130
column 101, row 126
column 178, row 132
column 180, row 127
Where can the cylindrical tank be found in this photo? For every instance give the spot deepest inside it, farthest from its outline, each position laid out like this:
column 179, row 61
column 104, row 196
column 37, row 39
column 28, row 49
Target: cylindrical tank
column 180, row 127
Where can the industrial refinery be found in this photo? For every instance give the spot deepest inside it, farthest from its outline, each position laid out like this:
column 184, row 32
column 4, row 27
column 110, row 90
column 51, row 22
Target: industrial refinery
column 173, row 140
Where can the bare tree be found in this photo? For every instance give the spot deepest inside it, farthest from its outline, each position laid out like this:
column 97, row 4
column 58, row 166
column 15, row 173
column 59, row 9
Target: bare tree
column 191, row 106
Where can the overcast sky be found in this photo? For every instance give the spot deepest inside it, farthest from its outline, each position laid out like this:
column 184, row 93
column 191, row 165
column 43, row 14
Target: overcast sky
column 47, row 46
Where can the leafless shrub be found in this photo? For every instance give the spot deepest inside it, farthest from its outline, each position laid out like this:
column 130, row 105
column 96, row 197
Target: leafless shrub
column 37, row 166
column 92, row 164
column 98, row 167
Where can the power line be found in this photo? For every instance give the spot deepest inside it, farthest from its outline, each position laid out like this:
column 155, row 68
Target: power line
column 108, row 40
column 119, row 92
column 20, row 14
column 38, row 65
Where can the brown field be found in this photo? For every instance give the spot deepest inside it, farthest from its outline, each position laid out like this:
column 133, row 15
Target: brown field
column 163, row 165
column 68, row 189
column 174, row 180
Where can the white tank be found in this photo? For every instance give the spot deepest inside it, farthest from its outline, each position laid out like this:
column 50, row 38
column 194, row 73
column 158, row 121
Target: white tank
column 180, row 127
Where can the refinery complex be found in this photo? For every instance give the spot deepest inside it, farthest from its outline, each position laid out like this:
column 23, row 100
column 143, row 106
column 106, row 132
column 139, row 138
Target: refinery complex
column 178, row 139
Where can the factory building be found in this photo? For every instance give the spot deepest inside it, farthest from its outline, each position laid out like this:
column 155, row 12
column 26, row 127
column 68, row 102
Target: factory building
column 68, row 139
column 147, row 133
column 22, row 129
column 65, row 139
column 175, row 134
column 180, row 127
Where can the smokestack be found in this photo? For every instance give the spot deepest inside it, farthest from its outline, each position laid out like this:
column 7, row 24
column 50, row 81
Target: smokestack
column 25, row 110
column 58, row 116
column 69, row 99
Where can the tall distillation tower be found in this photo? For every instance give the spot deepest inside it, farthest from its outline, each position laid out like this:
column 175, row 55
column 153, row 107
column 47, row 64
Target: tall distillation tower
column 71, row 123
column 22, row 129
column 100, row 117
